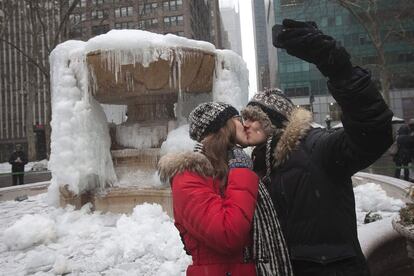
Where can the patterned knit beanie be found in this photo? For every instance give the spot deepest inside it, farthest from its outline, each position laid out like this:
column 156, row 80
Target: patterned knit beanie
column 208, row 118
column 272, row 102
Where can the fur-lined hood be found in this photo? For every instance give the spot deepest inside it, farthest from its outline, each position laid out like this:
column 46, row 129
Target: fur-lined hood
column 175, row 163
column 296, row 128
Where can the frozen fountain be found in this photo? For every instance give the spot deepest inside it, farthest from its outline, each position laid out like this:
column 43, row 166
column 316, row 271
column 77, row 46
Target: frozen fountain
column 156, row 81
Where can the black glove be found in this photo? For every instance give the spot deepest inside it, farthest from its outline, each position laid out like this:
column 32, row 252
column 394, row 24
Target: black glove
column 238, row 158
column 305, row 41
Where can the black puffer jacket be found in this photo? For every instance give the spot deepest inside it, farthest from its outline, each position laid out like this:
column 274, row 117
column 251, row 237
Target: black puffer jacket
column 311, row 183
column 18, row 160
column 405, row 142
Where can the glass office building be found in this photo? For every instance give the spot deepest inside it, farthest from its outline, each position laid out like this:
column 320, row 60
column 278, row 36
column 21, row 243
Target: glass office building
column 303, row 82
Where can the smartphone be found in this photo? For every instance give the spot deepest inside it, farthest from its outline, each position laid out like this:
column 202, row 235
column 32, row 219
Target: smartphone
column 276, row 30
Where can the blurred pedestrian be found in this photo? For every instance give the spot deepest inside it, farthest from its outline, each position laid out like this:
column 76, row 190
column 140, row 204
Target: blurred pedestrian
column 18, row 160
column 405, row 150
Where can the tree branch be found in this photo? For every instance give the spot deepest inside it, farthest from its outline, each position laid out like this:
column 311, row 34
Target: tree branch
column 31, row 60
column 63, row 22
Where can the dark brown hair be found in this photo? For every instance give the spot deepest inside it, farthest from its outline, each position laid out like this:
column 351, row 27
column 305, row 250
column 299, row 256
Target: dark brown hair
column 216, row 146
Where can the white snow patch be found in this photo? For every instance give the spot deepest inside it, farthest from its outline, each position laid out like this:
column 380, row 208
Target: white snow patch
column 178, row 140
column 28, row 231
column 89, row 243
column 371, row 197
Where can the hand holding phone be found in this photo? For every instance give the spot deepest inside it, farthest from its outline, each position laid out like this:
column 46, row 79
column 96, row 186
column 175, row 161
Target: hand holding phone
column 276, row 30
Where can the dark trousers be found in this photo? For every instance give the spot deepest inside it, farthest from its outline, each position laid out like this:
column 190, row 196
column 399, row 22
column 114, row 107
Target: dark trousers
column 398, row 170
column 18, row 178
column 347, row 267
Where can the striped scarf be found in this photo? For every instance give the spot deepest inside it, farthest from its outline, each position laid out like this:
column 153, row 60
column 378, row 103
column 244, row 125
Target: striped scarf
column 269, row 246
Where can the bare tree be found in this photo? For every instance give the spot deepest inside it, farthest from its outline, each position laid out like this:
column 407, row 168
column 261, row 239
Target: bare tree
column 45, row 22
column 383, row 21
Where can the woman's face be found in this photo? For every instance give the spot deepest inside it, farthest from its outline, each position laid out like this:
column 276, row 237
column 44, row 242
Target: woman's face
column 241, row 137
column 255, row 133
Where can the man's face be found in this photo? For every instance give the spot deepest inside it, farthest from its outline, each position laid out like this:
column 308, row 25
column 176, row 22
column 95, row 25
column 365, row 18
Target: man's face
column 241, row 137
column 255, row 133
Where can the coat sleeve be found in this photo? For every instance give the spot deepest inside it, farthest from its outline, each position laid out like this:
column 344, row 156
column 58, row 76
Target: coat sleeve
column 24, row 159
column 222, row 223
column 367, row 130
column 12, row 158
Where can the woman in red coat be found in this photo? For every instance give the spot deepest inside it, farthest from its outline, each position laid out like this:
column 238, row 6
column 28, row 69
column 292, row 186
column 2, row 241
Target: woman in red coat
column 214, row 198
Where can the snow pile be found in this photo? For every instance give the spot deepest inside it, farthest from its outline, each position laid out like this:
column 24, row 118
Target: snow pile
column 115, row 113
column 140, row 137
column 128, row 177
column 85, row 243
column 41, row 165
column 232, row 80
column 31, row 166
column 178, row 140
column 80, row 139
column 371, row 197
column 17, row 236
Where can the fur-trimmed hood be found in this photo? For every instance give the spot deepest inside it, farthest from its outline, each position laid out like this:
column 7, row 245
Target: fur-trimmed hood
column 297, row 127
column 175, row 163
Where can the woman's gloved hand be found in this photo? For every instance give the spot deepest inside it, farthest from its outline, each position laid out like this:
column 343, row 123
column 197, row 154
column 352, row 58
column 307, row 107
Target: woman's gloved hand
column 305, row 41
column 238, row 158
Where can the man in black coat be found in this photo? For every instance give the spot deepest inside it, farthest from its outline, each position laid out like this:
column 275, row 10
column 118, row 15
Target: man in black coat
column 403, row 156
column 18, row 160
column 308, row 170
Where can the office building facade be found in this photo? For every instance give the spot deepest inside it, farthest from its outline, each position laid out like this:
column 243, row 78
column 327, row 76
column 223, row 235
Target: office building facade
column 303, row 82
column 26, row 42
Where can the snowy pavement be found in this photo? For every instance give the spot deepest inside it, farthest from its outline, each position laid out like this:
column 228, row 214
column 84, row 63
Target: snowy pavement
column 38, row 239
column 41, row 240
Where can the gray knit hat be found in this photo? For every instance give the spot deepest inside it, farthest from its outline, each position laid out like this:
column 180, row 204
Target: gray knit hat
column 275, row 104
column 208, row 118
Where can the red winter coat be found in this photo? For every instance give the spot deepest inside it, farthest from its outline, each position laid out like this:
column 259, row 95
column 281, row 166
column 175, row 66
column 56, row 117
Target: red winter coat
column 215, row 229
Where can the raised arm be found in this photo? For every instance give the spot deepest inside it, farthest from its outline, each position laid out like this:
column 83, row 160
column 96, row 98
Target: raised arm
column 366, row 117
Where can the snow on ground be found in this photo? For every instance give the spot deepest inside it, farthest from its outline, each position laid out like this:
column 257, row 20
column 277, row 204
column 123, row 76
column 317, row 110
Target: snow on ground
column 35, row 165
column 370, row 197
column 38, row 239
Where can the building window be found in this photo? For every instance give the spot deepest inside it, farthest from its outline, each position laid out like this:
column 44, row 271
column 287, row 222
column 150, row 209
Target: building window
column 295, row 67
column 76, row 32
column 74, row 19
column 98, row 14
column 148, row 8
column 180, row 33
column 124, row 12
column 338, row 20
column 291, row 2
column 148, row 23
column 100, row 29
column 125, row 25
column 324, row 22
column 98, row 2
column 335, row 111
column 173, row 20
column 172, row 5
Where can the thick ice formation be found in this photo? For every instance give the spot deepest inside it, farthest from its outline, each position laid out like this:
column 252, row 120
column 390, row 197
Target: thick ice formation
column 232, row 80
column 80, row 149
column 80, row 139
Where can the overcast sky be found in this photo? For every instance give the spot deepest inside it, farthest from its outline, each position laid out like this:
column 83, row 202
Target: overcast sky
column 248, row 43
